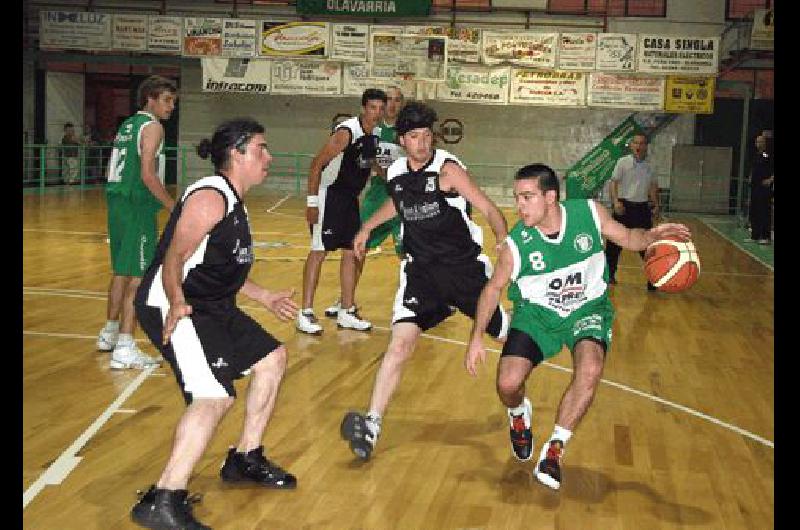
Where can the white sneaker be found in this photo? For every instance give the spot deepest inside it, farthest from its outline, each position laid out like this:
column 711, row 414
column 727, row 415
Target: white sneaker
column 130, row 356
column 308, row 323
column 107, row 340
column 333, row 311
column 350, row 319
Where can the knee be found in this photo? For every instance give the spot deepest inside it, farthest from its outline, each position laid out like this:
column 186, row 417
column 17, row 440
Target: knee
column 589, row 374
column 399, row 352
column 273, row 365
column 508, row 384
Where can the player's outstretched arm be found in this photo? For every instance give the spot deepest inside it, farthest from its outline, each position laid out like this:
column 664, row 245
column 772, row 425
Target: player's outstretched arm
column 455, row 177
column 638, row 238
column 487, row 304
column 279, row 302
column 383, row 214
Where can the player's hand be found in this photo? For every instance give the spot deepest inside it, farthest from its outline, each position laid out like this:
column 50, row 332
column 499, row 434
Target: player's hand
column 312, row 214
column 360, row 244
column 671, row 230
column 176, row 312
column 475, row 353
column 281, row 303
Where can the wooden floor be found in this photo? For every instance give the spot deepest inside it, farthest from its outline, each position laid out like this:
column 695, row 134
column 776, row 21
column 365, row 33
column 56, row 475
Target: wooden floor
column 679, row 435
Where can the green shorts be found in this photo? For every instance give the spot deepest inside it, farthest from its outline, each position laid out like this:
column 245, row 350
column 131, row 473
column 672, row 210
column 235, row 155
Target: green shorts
column 133, row 234
column 593, row 321
column 374, row 198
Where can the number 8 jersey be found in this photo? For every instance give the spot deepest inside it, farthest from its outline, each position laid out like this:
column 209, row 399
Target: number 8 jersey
column 554, row 277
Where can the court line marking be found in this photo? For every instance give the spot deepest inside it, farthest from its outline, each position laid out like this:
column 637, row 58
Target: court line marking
column 735, row 244
column 269, row 210
column 632, row 390
column 67, row 461
column 620, row 386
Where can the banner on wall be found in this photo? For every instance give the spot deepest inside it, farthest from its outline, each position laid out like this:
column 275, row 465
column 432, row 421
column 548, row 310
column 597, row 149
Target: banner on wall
column 524, row 48
column 762, row 37
column 551, row 88
column 660, row 54
column 295, row 39
column 349, row 42
column 129, row 32
column 464, row 45
column 409, row 57
column 356, row 79
column 577, row 51
column 475, row 84
column 239, row 37
column 202, row 36
column 616, row 52
column 164, row 34
column 628, row 91
column 75, row 30
column 587, row 175
column 690, row 94
column 365, row 8
column 313, row 78
column 249, row 76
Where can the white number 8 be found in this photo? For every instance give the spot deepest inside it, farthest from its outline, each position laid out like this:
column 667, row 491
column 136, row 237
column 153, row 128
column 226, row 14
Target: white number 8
column 537, row 261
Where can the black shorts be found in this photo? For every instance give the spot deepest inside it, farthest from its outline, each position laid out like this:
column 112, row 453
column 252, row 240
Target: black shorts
column 428, row 291
column 338, row 220
column 209, row 349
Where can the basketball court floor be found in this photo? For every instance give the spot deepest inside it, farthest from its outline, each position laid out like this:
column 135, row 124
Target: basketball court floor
column 679, row 435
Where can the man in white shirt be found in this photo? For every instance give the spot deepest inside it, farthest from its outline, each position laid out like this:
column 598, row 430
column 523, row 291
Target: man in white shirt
column 632, row 184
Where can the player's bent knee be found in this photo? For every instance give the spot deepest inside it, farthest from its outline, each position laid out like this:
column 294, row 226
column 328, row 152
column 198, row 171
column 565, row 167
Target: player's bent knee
column 508, row 384
column 274, row 363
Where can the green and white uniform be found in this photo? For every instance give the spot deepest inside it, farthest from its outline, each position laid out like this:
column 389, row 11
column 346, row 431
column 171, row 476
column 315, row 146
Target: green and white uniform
column 560, row 286
column 377, row 193
column 132, row 208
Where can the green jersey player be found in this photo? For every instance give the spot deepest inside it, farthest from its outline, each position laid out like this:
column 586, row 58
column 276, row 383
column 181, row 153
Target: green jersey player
column 554, row 261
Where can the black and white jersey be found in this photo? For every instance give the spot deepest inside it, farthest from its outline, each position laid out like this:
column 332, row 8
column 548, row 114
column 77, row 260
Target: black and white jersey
column 219, row 267
column 350, row 169
column 436, row 226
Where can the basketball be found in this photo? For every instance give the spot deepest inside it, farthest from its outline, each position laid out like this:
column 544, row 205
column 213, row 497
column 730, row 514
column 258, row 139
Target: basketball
column 672, row 266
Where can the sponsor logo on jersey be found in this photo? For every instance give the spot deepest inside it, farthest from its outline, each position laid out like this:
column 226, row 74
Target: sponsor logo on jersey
column 568, row 292
column 398, row 187
column 583, row 242
column 431, row 184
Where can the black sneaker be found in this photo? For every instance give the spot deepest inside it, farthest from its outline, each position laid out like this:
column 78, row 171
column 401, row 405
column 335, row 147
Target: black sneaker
column 548, row 470
column 360, row 431
column 520, row 433
column 166, row 509
column 254, row 467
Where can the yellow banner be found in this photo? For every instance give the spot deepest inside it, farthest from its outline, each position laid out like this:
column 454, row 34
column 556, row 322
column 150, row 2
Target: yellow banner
column 689, row 94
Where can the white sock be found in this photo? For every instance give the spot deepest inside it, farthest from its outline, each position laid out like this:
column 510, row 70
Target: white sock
column 375, row 419
column 125, row 339
column 112, row 326
column 519, row 409
column 560, row 433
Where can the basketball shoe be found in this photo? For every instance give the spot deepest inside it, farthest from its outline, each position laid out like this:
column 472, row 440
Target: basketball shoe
column 166, row 509
column 254, row 467
column 350, row 319
column 333, row 310
column 106, row 340
column 548, row 469
column 127, row 356
column 362, row 432
column 520, row 432
column 308, row 323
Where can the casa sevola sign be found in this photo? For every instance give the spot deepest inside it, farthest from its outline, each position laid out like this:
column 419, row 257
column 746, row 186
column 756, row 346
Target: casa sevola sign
column 365, row 8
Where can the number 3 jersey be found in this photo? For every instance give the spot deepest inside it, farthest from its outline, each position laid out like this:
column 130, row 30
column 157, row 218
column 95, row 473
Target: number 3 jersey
column 553, row 278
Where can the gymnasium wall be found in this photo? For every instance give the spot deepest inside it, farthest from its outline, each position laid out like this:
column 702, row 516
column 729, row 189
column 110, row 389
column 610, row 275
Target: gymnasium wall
column 512, row 135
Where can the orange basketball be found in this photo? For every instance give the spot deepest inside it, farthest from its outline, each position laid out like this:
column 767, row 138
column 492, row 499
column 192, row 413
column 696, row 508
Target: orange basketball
column 672, row 266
